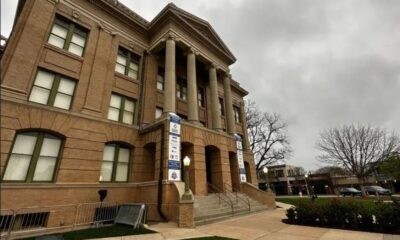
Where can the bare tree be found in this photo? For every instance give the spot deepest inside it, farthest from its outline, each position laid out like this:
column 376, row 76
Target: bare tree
column 267, row 136
column 357, row 148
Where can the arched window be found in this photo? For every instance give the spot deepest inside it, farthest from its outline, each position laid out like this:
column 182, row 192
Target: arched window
column 115, row 165
column 33, row 157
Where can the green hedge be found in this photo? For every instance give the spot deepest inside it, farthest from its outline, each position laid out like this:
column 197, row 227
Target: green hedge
column 378, row 217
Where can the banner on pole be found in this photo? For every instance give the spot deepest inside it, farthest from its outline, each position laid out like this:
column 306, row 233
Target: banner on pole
column 239, row 151
column 174, row 148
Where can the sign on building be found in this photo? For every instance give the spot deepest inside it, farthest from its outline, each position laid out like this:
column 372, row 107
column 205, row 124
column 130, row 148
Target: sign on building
column 239, row 151
column 174, row 148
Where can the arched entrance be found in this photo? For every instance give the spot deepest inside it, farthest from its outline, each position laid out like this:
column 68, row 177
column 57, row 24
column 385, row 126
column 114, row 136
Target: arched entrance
column 214, row 168
column 233, row 164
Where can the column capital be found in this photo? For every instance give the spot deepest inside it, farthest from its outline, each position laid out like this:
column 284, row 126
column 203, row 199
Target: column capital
column 170, row 36
column 193, row 51
column 228, row 75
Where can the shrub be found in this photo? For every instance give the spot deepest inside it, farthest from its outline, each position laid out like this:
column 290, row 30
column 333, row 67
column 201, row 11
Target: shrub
column 379, row 217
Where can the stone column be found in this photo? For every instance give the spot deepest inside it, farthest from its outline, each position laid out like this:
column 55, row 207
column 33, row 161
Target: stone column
column 193, row 110
column 231, row 128
column 215, row 113
column 169, row 76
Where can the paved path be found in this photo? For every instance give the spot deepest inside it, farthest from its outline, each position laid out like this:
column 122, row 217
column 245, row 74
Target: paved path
column 264, row 225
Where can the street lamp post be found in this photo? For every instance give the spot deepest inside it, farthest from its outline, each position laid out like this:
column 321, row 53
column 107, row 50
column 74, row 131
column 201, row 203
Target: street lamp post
column 265, row 171
column 187, row 195
column 306, row 179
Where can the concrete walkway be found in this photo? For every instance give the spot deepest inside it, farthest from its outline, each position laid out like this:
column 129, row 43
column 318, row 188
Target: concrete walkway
column 264, row 225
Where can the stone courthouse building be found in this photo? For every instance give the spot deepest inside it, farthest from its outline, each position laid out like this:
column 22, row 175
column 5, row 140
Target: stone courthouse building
column 88, row 91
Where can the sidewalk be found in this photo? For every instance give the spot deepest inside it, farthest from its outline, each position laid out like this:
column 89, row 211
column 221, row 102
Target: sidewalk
column 264, row 225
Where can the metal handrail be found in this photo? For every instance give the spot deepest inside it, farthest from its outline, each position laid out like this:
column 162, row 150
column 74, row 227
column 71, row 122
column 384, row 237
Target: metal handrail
column 218, row 192
column 246, row 200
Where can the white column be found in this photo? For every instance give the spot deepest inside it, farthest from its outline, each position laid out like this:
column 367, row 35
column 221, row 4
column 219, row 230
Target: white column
column 193, row 109
column 169, row 77
column 228, row 105
column 215, row 113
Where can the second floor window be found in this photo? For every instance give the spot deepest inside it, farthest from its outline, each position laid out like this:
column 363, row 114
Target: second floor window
column 200, row 97
column 68, row 36
column 33, row 157
column 236, row 111
column 127, row 63
column 159, row 112
column 221, row 106
column 52, row 89
column 121, row 109
column 115, row 165
column 181, row 88
column 160, row 79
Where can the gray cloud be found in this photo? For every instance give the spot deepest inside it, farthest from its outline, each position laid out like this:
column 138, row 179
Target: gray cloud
column 318, row 63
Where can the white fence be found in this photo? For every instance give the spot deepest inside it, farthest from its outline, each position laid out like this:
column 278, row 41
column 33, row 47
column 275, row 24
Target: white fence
column 33, row 221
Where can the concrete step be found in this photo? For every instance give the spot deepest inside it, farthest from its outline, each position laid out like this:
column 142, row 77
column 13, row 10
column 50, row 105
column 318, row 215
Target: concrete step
column 203, row 221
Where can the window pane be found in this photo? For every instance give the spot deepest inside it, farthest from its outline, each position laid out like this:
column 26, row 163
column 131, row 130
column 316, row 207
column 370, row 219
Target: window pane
column 62, row 101
column 39, row 95
column 159, row 112
column 119, row 68
column 134, row 66
column 122, row 172
column 109, row 151
column 123, row 155
column 132, row 74
column 59, row 31
column 160, row 86
column 44, row 169
column 78, row 40
column 128, row 117
column 113, row 114
column 75, row 49
column 17, row 167
column 121, row 59
column 24, row 144
column 66, row 86
column 56, row 41
column 115, row 101
column 44, row 79
column 50, row 146
column 129, row 105
column 106, row 171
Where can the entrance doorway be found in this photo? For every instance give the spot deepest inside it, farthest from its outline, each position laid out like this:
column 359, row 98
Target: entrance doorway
column 233, row 164
column 213, row 168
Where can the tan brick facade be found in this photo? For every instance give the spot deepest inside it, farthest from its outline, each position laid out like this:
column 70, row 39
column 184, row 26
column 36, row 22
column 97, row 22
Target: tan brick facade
column 85, row 128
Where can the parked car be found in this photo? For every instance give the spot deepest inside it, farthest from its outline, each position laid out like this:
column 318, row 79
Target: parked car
column 377, row 189
column 349, row 191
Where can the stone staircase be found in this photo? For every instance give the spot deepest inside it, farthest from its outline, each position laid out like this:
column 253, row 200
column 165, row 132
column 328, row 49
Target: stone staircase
column 219, row 206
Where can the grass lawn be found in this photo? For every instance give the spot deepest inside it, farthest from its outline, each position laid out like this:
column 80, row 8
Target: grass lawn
column 112, row 231
column 298, row 200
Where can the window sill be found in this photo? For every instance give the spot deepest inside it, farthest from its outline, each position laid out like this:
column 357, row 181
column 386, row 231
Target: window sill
column 63, row 52
column 117, row 74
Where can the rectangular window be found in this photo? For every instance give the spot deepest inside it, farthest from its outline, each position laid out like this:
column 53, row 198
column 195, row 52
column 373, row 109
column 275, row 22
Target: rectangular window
column 127, row 63
column 200, row 97
column 181, row 88
column 221, row 106
column 115, row 166
column 122, row 109
column 52, row 89
column 159, row 112
column 68, row 36
column 160, row 79
column 236, row 111
column 33, row 157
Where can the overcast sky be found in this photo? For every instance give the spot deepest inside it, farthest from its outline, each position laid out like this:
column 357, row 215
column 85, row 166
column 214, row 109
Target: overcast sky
column 318, row 63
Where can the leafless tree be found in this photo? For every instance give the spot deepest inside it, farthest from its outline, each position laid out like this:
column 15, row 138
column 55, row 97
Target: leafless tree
column 267, row 136
column 357, row 148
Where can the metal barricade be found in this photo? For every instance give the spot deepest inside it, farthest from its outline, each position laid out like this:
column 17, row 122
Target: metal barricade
column 34, row 221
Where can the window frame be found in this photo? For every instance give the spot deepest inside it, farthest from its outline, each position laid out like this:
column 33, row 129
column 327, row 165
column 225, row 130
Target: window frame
column 130, row 57
column 70, row 31
column 160, row 73
column 201, row 101
column 54, row 89
column 118, row 146
column 35, row 157
column 122, row 108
